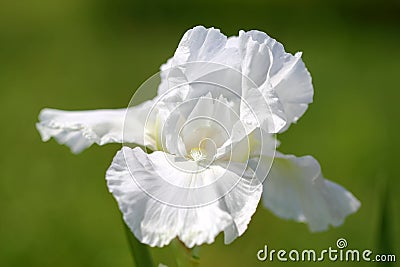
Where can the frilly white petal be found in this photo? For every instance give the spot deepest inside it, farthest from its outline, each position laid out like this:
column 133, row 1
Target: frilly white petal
column 282, row 80
column 156, row 223
column 206, row 56
column 199, row 44
column 80, row 129
column 201, row 55
column 295, row 189
column 266, row 63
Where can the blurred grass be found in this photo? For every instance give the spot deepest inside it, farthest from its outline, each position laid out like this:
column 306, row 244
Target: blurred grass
column 55, row 207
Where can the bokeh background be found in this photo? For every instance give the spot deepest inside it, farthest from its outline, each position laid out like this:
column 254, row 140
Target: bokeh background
column 55, row 209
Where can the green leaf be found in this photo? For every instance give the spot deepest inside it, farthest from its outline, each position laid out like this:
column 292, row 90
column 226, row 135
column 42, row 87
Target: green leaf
column 385, row 240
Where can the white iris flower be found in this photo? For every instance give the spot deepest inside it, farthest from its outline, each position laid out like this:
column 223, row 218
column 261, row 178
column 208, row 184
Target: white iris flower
column 211, row 131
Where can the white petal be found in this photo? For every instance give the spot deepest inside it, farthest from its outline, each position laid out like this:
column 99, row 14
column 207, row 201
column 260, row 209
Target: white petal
column 256, row 64
column 80, row 129
column 206, row 61
column 295, row 189
column 263, row 109
column 139, row 188
column 257, row 58
column 199, row 44
column 281, row 78
column 285, row 73
column 294, row 88
column 202, row 55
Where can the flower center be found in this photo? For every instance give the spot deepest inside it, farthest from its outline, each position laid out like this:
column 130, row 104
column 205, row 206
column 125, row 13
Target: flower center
column 198, row 154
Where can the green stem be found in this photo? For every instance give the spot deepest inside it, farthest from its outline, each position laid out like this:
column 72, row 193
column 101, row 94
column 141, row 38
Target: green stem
column 185, row 257
column 196, row 252
column 140, row 252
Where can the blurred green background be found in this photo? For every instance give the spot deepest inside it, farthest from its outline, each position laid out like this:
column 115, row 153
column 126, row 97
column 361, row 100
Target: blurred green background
column 74, row 54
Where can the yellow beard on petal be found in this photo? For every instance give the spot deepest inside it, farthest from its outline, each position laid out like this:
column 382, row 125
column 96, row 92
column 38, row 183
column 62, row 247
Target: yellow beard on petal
column 197, row 154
